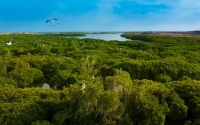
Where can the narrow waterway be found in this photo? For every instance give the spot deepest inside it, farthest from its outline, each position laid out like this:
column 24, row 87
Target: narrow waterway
column 115, row 36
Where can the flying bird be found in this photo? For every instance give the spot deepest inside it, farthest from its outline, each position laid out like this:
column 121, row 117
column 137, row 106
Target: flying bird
column 55, row 24
column 51, row 21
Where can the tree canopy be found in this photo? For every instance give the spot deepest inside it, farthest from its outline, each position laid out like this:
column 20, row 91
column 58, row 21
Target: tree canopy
column 151, row 80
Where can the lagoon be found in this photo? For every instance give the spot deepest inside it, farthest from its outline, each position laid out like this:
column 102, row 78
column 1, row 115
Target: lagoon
column 113, row 36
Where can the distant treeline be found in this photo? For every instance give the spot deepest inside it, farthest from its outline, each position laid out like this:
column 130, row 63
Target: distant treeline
column 152, row 36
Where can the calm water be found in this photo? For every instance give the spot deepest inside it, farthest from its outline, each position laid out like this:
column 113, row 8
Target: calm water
column 104, row 36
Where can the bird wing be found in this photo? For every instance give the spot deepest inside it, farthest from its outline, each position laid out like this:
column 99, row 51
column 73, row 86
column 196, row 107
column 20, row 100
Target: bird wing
column 55, row 19
column 48, row 21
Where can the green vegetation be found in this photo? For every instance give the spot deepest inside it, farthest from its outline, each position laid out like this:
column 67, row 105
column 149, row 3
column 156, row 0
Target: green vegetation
column 152, row 80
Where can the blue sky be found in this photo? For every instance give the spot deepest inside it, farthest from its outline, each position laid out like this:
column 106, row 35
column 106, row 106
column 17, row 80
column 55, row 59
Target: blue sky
column 99, row 15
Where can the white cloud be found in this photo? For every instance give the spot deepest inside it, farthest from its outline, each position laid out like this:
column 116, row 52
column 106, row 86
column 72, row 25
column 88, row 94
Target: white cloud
column 178, row 17
column 155, row 2
column 190, row 3
column 108, row 5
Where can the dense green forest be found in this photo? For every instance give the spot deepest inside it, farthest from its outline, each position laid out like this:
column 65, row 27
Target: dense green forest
column 149, row 80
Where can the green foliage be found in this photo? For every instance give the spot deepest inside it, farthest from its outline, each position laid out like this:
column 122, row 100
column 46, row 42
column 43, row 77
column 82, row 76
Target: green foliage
column 8, row 94
column 99, row 82
column 53, row 64
column 83, row 103
column 16, row 63
column 163, row 78
column 147, row 110
column 188, row 91
column 64, row 78
column 109, row 108
column 6, row 52
column 43, row 122
column 177, row 106
column 42, row 49
column 20, row 113
column 120, row 82
column 25, row 76
column 5, row 80
column 176, row 69
column 194, row 105
column 195, row 122
column 146, row 104
column 3, row 69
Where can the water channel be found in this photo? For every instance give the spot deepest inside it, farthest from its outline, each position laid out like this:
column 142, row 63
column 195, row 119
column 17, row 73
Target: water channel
column 114, row 36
